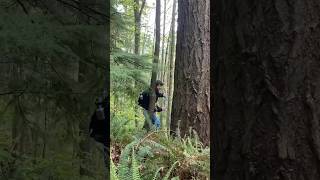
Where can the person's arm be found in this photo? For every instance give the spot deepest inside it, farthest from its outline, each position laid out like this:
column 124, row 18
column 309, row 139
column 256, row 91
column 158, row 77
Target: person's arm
column 158, row 109
column 159, row 94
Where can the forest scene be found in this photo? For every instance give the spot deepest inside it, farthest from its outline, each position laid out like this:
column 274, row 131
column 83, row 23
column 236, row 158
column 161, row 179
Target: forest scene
column 53, row 65
column 155, row 46
column 155, row 89
column 68, row 64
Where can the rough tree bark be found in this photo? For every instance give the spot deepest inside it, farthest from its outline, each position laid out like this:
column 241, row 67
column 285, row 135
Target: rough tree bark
column 191, row 94
column 266, row 87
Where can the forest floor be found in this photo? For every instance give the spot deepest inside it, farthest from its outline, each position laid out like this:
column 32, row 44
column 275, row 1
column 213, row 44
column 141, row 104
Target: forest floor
column 155, row 155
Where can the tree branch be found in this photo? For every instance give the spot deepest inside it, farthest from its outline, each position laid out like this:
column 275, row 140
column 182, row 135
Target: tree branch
column 90, row 9
column 23, row 7
column 142, row 7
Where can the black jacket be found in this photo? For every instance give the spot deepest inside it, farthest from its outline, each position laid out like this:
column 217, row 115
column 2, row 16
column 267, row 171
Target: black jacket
column 99, row 129
column 144, row 100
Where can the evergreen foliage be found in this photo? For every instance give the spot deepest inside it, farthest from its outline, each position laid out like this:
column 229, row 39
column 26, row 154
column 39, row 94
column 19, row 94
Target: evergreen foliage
column 46, row 95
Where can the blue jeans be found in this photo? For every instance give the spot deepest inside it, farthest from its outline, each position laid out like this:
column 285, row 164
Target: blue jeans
column 154, row 119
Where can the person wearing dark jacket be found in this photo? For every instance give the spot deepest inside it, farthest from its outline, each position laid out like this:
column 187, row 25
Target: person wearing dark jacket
column 144, row 102
column 99, row 127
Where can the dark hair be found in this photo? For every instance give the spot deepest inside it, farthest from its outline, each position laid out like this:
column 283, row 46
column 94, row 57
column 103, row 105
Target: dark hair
column 159, row 82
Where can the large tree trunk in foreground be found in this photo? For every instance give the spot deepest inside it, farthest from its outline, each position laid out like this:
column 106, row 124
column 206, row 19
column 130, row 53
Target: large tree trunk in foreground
column 266, row 90
column 192, row 73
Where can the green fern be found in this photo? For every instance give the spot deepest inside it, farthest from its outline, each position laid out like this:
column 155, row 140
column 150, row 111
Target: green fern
column 166, row 177
column 156, row 173
column 124, row 168
column 175, row 178
column 156, row 145
column 135, row 167
column 188, row 151
column 113, row 171
column 143, row 152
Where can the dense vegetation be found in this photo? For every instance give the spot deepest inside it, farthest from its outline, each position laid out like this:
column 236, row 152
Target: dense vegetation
column 52, row 68
column 136, row 153
column 55, row 63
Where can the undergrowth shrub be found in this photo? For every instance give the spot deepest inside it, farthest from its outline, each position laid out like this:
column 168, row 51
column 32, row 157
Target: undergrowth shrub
column 122, row 130
column 158, row 156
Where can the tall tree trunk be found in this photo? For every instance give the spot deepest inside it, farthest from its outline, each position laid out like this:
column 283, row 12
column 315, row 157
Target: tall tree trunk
column 137, row 27
column 171, row 63
column 192, row 72
column 165, row 63
column 266, row 90
column 163, row 40
column 162, row 72
column 163, row 116
column 137, row 21
column 137, row 18
column 144, row 41
column 155, row 63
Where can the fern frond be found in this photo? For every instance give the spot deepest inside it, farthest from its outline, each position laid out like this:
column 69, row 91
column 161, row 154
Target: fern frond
column 175, row 178
column 124, row 168
column 166, row 177
column 113, row 171
column 156, row 174
column 135, row 168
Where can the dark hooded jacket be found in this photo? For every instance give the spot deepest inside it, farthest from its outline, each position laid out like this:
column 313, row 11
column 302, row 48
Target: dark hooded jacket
column 99, row 129
column 144, row 100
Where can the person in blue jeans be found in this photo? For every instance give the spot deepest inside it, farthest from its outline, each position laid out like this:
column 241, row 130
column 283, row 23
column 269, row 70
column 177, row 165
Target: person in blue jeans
column 154, row 118
column 144, row 102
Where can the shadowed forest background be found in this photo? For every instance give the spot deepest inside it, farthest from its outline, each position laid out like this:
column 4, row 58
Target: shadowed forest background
column 55, row 63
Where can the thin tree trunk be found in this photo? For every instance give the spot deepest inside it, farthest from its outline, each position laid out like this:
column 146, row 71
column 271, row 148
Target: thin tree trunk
column 163, row 116
column 161, row 73
column 165, row 63
column 137, row 19
column 163, row 39
column 266, row 90
column 191, row 99
column 144, row 42
column 155, row 63
column 171, row 63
